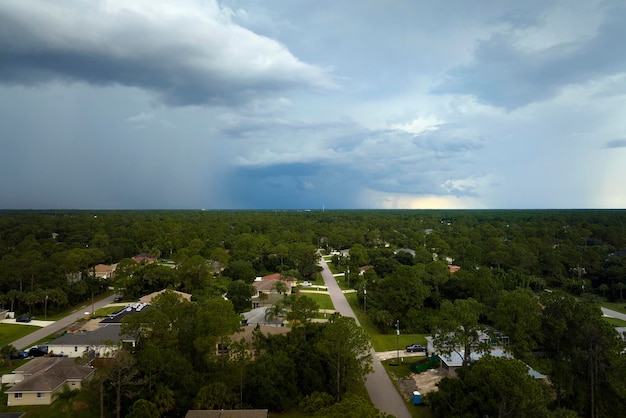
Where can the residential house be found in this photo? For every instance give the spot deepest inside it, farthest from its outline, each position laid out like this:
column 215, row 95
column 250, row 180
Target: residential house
column 247, row 335
column 44, row 378
column 451, row 363
column 148, row 298
column 228, row 413
column 144, row 258
column 101, row 342
column 453, row 269
column 267, row 285
column 105, row 271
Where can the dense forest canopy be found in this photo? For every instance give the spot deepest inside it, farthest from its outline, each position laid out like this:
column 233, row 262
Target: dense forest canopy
column 572, row 249
column 533, row 275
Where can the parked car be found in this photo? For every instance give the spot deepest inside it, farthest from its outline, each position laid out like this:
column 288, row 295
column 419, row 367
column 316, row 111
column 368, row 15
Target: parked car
column 23, row 319
column 306, row 284
column 415, row 348
column 36, row 352
column 19, row 355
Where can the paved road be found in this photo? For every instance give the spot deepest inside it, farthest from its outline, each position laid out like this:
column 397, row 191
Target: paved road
column 613, row 314
column 57, row 326
column 381, row 390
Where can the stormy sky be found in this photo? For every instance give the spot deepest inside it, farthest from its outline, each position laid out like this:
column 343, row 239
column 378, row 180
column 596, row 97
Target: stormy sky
column 247, row 104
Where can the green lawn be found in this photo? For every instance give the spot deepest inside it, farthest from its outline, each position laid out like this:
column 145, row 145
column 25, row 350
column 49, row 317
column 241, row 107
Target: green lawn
column 615, row 322
column 107, row 311
column 323, row 300
column 382, row 342
column 10, row 332
column 59, row 315
column 616, row 306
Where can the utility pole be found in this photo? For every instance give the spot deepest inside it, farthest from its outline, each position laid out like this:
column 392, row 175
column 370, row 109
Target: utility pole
column 45, row 308
column 365, row 298
column 397, row 343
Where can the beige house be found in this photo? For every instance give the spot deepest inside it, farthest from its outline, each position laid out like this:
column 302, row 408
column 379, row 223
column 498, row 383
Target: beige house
column 105, row 271
column 43, row 378
column 148, row 298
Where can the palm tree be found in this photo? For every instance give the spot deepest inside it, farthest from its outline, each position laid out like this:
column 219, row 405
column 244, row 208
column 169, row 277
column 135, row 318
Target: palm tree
column 6, row 352
column 274, row 312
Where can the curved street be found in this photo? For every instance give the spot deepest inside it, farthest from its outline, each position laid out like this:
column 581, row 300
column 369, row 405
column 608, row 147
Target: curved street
column 381, row 390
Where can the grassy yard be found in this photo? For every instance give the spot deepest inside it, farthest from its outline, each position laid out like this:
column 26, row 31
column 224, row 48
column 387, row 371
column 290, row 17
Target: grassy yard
column 615, row 306
column 615, row 322
column 69, row 310
column 382, row 342
column 396, row 373
column 323, row 300
column 10, row 332
column 107, row 311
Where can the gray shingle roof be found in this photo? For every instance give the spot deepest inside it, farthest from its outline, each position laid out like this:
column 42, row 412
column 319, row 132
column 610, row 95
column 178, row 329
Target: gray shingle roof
column 48, row 373
column 99, row 336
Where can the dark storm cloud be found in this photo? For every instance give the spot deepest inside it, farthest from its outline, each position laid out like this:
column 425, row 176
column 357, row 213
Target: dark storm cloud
column 387, row 161
column 185, row 56
column 506, row 75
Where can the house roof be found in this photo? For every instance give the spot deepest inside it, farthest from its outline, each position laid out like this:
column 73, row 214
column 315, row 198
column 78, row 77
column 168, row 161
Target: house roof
column 264, row 285
column 278, row 276
column 105, row 268
column 232, row 413
column 99, row 336
column 453, row 268
column 148, row 298
column 117, row 317
column 246, row 332
column 45, row 374
column 144, row 257
column 455, row 359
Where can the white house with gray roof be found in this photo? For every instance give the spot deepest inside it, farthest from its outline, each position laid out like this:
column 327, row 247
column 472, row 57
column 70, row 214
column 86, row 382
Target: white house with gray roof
column 101, row 342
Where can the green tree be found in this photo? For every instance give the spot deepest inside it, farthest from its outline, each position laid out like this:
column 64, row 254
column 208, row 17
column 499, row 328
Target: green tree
column 303, row 309
column 274, row 312
column 491, row 387
column 240, row 294
column 347, row 350
column 6, row 352
column 143, row 408
column 518, row 316
column 458, row 328
column 352, row 406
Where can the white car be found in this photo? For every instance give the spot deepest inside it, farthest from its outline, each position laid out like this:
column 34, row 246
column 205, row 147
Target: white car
column 306, row 284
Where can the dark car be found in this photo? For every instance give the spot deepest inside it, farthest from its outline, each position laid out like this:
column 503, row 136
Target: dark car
column 415, row 348
column 36, row 352
column 23, row 319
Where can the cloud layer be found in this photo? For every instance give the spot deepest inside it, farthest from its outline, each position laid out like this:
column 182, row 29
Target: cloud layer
column 274, row 104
